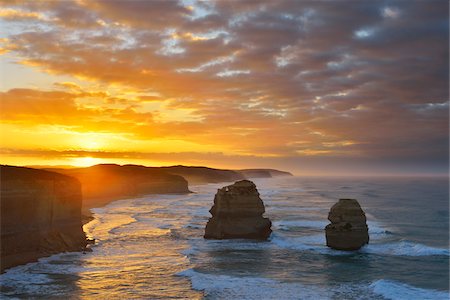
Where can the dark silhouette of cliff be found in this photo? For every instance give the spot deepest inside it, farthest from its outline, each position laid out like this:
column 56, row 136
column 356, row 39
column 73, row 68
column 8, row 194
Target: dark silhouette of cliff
column 199, row 175
column 263, row 173
column 106, row 182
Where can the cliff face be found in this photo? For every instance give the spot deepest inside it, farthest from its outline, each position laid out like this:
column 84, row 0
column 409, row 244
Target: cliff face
column 263, row 173
column 107, row 182
column 199, row 175
column 255, row 173
column 40, row 215
column 237, row 213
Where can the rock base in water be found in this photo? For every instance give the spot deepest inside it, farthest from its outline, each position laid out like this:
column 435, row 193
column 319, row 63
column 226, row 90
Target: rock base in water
column 348, row 229
column 237, row 213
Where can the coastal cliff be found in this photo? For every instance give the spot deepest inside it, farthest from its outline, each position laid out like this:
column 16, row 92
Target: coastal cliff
column 40, row 215
column 107, row 182
column 199, row 175
column 263, row 173
column 104, row 183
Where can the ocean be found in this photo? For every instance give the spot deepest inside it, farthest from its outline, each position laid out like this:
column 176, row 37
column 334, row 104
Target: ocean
column 153, row 248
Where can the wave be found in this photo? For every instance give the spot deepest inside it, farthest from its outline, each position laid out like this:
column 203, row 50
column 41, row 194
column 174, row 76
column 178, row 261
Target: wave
column 374, row 227
column 232, row 287
column 309, row 242
column 243, row 287
column 36, row 278
column 401, row 291
column 106, row 226
column 288, row 224
column 404, row 248
column 317, row 243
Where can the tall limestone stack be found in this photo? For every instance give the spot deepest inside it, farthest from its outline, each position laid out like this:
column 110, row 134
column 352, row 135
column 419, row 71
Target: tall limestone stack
column 237, row 213
column 348, row 229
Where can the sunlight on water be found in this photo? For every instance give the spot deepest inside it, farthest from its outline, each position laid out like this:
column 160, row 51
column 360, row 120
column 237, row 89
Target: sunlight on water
column 134, row 254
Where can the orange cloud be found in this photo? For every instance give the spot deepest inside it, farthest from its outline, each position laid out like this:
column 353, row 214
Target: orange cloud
column 261, row 79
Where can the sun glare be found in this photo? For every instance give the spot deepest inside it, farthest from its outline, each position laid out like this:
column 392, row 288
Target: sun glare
column 91, row 141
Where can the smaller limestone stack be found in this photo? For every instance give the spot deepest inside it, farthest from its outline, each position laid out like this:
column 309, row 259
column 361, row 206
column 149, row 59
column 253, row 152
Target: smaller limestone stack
column 348, row 229
column 237, row 213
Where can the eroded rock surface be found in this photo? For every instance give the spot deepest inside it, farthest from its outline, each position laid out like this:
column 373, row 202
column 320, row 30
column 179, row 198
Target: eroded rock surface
column 104, row 183
column 40, row 215
column 348, row 229
column 237, row 213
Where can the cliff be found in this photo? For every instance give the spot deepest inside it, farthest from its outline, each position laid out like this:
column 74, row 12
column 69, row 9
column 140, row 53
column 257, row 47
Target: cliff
column 40, row 215
column 106, row 182
column 237, row 214
column 255, row 173
column 263, row 173
column 199, row 175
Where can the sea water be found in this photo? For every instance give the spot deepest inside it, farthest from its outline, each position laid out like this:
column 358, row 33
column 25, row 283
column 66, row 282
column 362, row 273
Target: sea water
column 153, row 247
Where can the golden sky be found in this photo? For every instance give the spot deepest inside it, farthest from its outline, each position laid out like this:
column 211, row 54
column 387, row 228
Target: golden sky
column 306, row 87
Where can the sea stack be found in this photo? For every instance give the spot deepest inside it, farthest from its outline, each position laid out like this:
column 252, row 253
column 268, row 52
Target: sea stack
column 237, row 214
column 348, row 229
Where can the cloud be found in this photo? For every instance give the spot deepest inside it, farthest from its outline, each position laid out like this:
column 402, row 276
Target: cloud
column 250, row 77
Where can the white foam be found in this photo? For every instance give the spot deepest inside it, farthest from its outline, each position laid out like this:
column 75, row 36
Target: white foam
column 376, row 231
column 400, row 291
column 318, row 243
column 34, row 278
column 404, row 248
column 314, row 243
column 189, row 251
column 286, row 224
column 231, row 287
column 293, row 244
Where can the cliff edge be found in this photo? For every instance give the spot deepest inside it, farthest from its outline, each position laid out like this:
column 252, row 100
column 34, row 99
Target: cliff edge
column 263, row 173
column 201, row 175
column 40, row 215
column 104, row 183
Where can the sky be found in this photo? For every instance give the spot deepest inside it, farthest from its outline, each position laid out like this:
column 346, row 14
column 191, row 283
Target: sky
column 311, row 87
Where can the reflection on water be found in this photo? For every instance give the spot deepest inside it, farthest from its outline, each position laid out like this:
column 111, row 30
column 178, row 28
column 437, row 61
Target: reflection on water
column 137, row 254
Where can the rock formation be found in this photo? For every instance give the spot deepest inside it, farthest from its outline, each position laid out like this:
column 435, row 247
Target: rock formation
column 200, row 175
column 237, row 213
column 40, row 215
column 263, row 173
column 255, row 173
column 104, row 183
column 348, row 229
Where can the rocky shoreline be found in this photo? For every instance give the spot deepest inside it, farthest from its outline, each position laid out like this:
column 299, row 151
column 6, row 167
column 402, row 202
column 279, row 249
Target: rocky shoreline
column 43, row 210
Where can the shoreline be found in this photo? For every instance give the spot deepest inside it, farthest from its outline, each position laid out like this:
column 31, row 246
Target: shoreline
column 87, row 214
